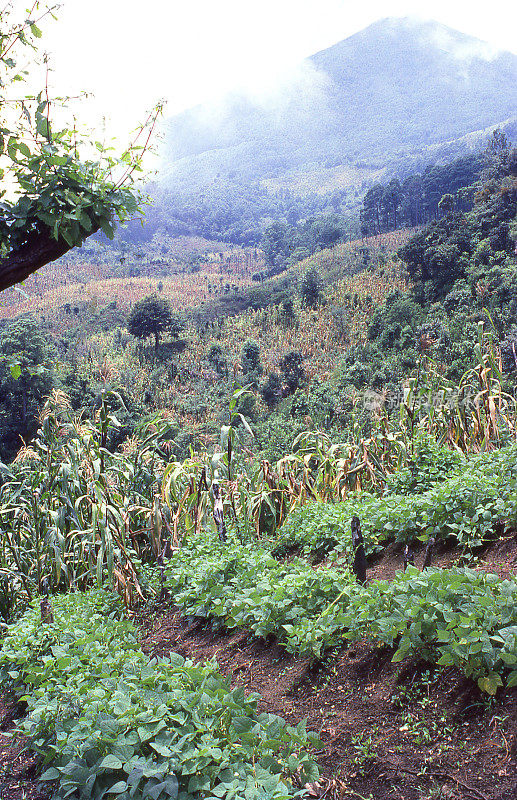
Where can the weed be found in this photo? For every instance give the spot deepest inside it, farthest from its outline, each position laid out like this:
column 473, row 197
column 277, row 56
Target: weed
column 364, row 751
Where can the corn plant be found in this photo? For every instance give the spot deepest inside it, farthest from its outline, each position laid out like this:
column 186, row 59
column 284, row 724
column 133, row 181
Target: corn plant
column 71, row 511
column 476, row 415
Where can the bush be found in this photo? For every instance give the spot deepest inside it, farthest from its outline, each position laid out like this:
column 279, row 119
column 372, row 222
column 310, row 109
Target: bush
column 311, row 288
column 250, row 362
column 275, row 436
column 451, row 617
column 292, row 371
column 272, row 390
column 217, row 359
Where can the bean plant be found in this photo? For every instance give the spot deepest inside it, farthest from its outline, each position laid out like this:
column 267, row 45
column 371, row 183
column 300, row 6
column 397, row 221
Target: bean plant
column 107, row 721
column 465, row 508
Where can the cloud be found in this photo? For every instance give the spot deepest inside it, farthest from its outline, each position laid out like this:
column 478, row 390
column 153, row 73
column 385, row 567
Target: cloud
column 459, row 45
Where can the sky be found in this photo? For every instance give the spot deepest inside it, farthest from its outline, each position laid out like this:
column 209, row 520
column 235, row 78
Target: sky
column 129, row 54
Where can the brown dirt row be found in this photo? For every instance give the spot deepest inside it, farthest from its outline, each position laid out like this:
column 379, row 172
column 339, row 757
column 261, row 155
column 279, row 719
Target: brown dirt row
column 18, row 768
column 388, row 732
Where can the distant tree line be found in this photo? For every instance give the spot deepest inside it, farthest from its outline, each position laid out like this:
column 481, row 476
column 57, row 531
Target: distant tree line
column 231, row 212
column 416, row 200
column 284, row 244
column 463, row 271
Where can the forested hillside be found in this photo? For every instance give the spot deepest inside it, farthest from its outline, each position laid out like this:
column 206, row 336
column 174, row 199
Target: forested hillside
column 385, row 102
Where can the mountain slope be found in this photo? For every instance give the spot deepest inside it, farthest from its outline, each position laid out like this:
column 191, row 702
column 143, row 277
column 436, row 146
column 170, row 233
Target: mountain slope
column 397, row 86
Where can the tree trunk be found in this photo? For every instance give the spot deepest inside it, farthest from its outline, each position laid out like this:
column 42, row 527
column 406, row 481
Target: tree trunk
column 39, row 249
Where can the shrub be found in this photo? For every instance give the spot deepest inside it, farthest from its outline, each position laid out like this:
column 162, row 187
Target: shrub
column 272, row 390
column 250, row 362
column 465, row 507
column 292, row 370
column 311, row 288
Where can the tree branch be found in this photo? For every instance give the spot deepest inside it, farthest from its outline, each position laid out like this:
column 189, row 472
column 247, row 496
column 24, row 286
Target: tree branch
column 39, row 249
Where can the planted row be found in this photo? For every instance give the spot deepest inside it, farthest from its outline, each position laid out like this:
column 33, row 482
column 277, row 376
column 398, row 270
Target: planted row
column 465, row 507
column 457, row 617
column 106, row 721
column 454, row 617
column 248, row 587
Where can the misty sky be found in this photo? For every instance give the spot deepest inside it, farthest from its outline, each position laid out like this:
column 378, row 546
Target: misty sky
column 131, row 53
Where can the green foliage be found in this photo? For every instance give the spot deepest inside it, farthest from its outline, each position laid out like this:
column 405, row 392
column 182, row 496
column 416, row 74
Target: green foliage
column 446, row 205
column 416, row 200
column 311, row 288
column 250, row 363
column 217, row 359
column 152, row 316
column 53, row 193
column 277, row 243
column 106, row 720
column 497, row 156
column 462, row 268
column 271, row 391
column 456, row 617
column 439, row 255
column 248, row 587
column 319, row 528
column 275, row 436
column 465, row 507
column 288, row 315
column 429, row 464
column 292, row 371
column 69, row 508
column 26, row 378
column 392, row 326
column 285, row 245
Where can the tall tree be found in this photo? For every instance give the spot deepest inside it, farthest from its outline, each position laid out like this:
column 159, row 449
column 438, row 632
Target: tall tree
column 371, row 211
column 152, row 316
column 497, row 156
column 412, row 191
column 311, row 288
column 391, row 201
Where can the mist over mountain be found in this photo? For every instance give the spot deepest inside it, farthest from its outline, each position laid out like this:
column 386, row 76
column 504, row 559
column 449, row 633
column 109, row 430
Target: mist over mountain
column 399, row 86
column 387, row 102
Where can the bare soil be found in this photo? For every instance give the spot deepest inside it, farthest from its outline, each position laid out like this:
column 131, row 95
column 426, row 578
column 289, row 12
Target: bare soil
column 18, row 768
